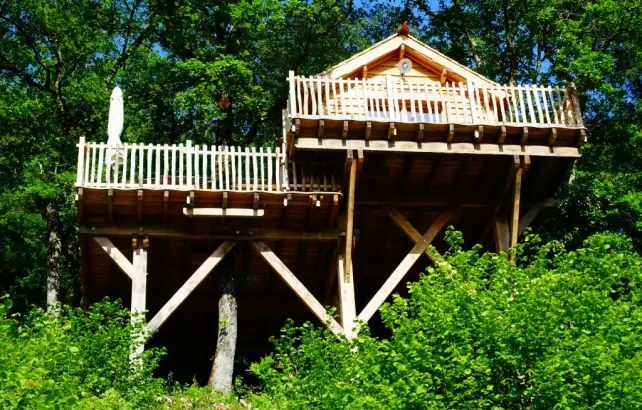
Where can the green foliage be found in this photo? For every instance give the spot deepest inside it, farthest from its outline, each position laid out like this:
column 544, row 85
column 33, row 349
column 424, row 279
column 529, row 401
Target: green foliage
column 558, row 330
column 81, row 360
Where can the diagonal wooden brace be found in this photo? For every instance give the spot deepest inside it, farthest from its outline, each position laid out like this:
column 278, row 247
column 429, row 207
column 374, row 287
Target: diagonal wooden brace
column 295, row 284
column 188, row 287
column 413, row 234
column 405, row 265
column 116, row 255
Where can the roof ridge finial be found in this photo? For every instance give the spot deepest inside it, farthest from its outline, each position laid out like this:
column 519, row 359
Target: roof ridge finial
column 404, row 30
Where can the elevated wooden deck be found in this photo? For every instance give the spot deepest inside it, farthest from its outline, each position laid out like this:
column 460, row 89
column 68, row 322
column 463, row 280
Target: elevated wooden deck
column 416, row 115
column 370, row 171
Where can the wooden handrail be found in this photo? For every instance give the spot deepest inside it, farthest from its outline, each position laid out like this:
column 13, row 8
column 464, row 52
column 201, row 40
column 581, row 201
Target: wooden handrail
column 397, row 99
column 200, row 167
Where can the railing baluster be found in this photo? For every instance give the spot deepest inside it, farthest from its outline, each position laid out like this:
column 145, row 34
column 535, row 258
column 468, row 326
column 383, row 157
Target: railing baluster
column 538, row 105
column 188, row 163
column 262, row 160
column 269, row 167
column 81, row 162
column 132, row 166
column 313, row 97
column 88, row 164
column 255, row 167
column 327, row 96
column 204, row 164
column 157, row 168
column 233, row 166
column 165, row 165
column 173, row 174
column 473, row 104
column 299, row 91
column 226, row 160
column 319, row 96
column 213, row 158
column 485, row 93
column 515, row 102
column 101, row 156
column 335, row 98
column 123, row 179
column 94, row 165
column 141, row 157
column 293, row 105
column 529, row 103
column 248, row 181
column 277, row 168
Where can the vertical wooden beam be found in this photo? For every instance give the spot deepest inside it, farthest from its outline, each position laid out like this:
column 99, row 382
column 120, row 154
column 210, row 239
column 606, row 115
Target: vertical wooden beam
column 347, row 306
column 139, row 295
column 501, row 234
column 514, row 220
column 350, row 215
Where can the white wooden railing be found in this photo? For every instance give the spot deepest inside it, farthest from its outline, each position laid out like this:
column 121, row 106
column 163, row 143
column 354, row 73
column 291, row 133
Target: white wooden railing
column 187, row 167
column 398, row 99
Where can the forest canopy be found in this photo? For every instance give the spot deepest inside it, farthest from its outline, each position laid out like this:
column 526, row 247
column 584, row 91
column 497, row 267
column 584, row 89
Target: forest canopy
column 176, row 60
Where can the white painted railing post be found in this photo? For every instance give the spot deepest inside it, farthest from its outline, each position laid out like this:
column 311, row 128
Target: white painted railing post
column 293, row 110
column 81, row 161
column 389, row 96
column 188, row 163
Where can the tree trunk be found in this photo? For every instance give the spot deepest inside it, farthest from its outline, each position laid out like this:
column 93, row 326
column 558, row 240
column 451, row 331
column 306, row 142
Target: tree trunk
column 54, row 256
column 223, row 366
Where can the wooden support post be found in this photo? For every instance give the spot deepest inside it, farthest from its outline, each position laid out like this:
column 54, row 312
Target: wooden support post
column 139, row 205
column 420, row 132
column 402, row 51
column 451, row 132
column 321, row 128
column 524, row 135
column 350, row 214
column 514, row 219
column 502, row 135
column 344, row 131
column 552, row 137
column 255, row 205
column 165, row 205
column 392, row 131
column 405, row 265
column 295, row 284
column 347, row 307
column 479, row 134
column 368, row 130
column 188, row 287
column 501, row 234
column 364, row 72
column 110, row 204
column 80, row 198
column 139, row 296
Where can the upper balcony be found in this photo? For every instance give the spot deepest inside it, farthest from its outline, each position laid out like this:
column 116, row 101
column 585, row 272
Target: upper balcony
column 400, row 90
column 396, row 108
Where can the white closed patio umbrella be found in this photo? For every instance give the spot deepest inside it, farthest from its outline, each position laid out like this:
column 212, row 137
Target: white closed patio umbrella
column 115, row 125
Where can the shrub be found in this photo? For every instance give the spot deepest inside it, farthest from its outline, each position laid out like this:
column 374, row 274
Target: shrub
column 555, row 330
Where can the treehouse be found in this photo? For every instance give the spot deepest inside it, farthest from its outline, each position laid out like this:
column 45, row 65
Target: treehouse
column 379, row 154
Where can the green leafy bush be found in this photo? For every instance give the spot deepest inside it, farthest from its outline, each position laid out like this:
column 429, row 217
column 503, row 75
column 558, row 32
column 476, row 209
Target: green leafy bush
column 81, row 360
column 556, row 330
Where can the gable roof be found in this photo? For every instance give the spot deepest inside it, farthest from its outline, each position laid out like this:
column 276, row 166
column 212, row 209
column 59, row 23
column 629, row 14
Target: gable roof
column 414, row 48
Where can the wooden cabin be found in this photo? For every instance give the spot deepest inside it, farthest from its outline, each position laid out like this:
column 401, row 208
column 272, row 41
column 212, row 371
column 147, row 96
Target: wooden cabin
column 380, row 153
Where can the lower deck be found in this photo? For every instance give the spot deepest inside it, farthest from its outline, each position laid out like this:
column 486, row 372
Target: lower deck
column 307, row 232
